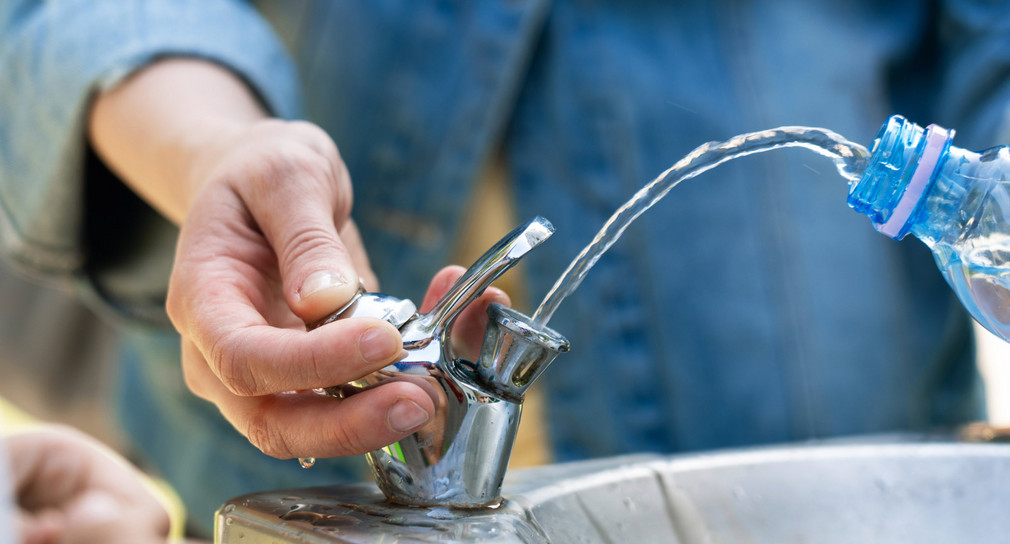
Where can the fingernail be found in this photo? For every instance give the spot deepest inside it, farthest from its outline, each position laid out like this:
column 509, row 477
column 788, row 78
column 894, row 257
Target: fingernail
column 378, row 345
column 318, row 281
column 405, row 416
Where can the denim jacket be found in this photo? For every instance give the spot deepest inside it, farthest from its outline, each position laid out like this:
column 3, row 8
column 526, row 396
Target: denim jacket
column 750, row 306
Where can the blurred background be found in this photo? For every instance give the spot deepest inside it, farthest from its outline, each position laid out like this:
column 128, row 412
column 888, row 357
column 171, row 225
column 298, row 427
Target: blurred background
column 56, row 357
column 56, row 362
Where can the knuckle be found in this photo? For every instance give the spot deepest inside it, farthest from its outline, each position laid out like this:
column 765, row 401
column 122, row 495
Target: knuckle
column 271, row 125
column 305, row 240
column 234, row 372
column 343, row 204
column 267, row 437
column 176, row 303
column 316, row 138
column 347, row 440
column 282, row 164
column 194, row 385
column 173, row 307
column 295, row 162
column 317, row 366
column 311, row 132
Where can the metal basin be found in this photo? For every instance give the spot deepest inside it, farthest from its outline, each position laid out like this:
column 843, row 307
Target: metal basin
column 896, row 492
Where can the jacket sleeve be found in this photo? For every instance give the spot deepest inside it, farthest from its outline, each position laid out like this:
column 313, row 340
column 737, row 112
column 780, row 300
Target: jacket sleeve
column 974, row 92
column 54, row 57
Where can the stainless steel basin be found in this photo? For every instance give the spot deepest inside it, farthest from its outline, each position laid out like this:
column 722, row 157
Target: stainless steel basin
column 870, row 492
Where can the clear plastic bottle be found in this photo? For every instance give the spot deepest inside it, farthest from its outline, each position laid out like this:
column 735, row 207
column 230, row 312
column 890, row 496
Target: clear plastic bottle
column 956, row 201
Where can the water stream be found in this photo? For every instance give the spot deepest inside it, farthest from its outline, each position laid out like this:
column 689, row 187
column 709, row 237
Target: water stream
column 850, row 160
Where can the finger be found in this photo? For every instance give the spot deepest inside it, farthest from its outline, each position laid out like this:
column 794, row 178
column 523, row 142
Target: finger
column 439, row 285
column 45, row 471
column 98, row 516
column 288, row 425
column 119, row 531
column 356, row 249
column 253, row 358
column 68, row 481
column 297, row 205
column 43, row 527
column 468, row 329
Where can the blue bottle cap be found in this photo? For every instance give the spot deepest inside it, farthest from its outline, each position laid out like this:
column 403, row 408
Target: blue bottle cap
column 936, row 139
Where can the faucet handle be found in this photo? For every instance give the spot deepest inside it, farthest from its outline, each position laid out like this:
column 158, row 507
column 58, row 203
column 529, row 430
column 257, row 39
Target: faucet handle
column 394, row 310
column 458, row 458
column 492, row 264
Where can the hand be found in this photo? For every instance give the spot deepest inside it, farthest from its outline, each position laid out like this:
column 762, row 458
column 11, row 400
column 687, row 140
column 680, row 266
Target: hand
column 266, row 247
column 70, row 488
column 468, row 330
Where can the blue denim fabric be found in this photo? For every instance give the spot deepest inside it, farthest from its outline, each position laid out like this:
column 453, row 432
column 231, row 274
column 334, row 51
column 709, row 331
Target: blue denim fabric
column 750, row 306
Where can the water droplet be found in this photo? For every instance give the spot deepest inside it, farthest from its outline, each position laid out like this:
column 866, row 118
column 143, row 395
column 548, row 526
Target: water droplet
column 440, row 513
column 306, row 462
column 319, row 519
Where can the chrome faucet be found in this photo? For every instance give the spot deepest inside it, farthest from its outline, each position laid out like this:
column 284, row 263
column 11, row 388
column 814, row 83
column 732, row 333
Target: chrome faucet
column 459, row 457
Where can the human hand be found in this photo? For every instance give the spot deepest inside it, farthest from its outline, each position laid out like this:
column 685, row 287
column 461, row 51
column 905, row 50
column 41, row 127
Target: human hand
column 266, row 247
column 72, row 489
column 468, row 330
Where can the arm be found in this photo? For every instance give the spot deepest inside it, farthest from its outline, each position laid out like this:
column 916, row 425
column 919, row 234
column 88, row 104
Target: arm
column 186, row 100
column 55, row 56
column 187, row 136
column 265, row 242
column 265, row 245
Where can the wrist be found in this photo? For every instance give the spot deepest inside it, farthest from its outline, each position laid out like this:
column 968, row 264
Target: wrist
column 157, row 127
column 198, row 147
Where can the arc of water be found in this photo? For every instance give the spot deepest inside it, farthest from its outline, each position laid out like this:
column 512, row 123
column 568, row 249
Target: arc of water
column 850, row 160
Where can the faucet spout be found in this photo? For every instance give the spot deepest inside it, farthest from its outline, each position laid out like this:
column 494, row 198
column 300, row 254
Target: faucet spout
column 515, row 353
column 458, row 458
column 481, row 274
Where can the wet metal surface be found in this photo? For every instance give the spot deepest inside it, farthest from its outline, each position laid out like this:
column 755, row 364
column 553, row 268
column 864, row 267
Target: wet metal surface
column 891, row 492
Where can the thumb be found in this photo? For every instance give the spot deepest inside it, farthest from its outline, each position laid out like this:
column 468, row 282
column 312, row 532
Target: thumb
column 297, row 198
column 316, row 268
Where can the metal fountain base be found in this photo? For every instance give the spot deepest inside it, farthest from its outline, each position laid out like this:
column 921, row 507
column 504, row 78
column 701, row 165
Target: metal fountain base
column 864, row 492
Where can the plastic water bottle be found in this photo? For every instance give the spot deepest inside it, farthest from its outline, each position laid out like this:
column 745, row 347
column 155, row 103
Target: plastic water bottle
column 956, row 201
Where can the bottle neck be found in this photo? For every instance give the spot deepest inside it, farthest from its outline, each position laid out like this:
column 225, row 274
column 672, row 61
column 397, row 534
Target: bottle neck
column 902, row 171
column 945, row 209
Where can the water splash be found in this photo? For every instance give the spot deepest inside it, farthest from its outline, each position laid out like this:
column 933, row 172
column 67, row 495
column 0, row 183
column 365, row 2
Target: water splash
column 850, row 160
